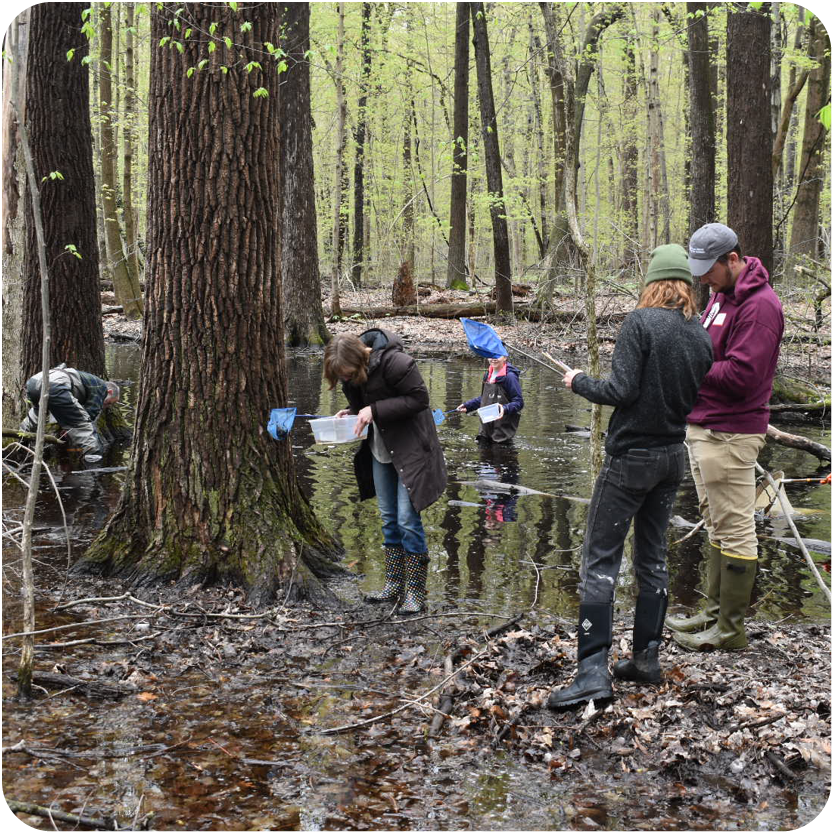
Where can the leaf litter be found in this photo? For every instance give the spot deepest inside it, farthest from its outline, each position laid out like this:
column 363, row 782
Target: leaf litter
column 224, row 724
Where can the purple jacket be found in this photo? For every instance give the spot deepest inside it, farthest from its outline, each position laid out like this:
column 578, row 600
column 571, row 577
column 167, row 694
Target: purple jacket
column 746, row 326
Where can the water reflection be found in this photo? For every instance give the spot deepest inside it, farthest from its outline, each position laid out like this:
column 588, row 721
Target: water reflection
column 490, row 547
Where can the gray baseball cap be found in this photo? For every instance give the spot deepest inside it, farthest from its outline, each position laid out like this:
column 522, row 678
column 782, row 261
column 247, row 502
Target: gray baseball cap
column 707, row 244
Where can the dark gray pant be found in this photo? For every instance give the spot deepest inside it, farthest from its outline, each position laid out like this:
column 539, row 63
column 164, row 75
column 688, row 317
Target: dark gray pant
column 640, row 485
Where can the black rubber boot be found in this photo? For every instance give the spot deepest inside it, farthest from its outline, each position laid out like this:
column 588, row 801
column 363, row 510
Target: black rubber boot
column 416, row 577
column 643, row 666
column 394, row 576
column 592, row 681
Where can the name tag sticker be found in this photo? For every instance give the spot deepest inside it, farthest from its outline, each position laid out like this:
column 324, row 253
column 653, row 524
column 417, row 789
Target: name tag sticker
column 719, row 319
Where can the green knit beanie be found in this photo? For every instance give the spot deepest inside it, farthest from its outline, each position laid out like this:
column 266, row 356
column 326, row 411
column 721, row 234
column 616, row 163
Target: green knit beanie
column 669, row 263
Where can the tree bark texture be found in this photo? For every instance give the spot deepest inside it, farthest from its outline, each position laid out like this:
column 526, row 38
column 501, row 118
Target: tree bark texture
column 491, row 147
column 303, row 312
column 805, row 230
column 703, row 141
column 749, row 131
column 14, row 229
column 126, row 284
column 456, row 273
column 210, row 496
column 359, row 255
column 58, row 121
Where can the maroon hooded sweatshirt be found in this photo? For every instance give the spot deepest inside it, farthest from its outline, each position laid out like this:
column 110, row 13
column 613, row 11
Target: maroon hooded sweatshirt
column 746, row 326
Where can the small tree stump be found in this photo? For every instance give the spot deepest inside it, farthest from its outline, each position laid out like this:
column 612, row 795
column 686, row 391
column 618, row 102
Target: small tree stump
column 404, row 291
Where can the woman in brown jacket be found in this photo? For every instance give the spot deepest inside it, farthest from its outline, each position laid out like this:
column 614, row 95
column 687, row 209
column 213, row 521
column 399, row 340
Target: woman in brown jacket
column 401, row 461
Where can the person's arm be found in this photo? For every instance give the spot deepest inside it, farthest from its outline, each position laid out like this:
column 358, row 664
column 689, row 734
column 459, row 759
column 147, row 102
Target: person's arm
column 622, row 386
column 512, row 388
column 749, row 350
column 471, row 405
column 411, row 396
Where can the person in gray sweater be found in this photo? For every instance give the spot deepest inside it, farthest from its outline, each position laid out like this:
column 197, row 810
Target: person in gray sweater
column 662, row 354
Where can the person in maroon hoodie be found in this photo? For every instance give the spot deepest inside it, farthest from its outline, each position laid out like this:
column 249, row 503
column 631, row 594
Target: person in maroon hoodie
column 727, row 430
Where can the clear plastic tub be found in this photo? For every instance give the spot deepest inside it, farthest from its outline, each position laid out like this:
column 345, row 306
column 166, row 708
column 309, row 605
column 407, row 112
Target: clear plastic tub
column 489, row 413
column 336, row 429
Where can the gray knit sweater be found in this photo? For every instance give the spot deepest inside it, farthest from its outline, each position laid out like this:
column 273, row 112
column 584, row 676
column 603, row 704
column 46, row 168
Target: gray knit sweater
column 658, row 364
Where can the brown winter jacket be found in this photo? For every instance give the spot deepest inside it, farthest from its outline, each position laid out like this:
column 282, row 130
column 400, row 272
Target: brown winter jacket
column 398, row 399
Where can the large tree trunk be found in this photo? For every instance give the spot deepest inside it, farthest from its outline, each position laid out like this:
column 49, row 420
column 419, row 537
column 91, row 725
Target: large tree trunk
column 703, row 142
column 14, row 229
column 749, row 131
column 805, row 230
column 303, row 313
column 126, row 284
column 359, row 254
column 456, row 274
column 57, row 115
column 209, row 496
column 491, row 147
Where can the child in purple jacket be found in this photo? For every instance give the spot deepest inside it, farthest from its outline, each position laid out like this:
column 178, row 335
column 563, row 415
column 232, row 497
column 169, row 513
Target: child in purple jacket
column 501, row 385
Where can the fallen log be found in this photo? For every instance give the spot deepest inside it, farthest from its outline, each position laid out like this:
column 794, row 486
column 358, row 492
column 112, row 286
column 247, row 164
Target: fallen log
column 796, row 441
column 450, row 311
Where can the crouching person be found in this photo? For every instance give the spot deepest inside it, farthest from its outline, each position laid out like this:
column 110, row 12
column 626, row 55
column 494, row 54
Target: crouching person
column 401, row 461
column 76, row 399
column 662, row 353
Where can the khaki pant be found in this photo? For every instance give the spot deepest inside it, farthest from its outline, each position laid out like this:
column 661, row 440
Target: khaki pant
column 723, row 467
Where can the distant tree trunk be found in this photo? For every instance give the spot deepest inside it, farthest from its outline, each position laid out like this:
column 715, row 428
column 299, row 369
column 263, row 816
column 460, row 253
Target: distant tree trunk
column 571, row 204
column 703, row 143
column 125, row 284
column 14, row 229
column 456, row 274
column 57, row 115
column 749, row 131
column 210, row 497
column 494, row 176
column 660, row 212
column 541, row 164
column 303, row 313
column 630, row 160
column 560, row 250
column 339, row 215
column 407, row 245
column 805, row 230
column 359, row 255
column 131, row 116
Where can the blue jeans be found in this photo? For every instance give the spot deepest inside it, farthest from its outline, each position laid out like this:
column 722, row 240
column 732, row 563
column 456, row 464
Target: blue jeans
column 401, row 524
column 640, row 485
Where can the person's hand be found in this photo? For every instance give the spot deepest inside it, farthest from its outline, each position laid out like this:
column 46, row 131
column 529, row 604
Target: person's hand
column 342, row 413
column 365, row 418
column 568, row 377
column 501, row 410
column 462, row 408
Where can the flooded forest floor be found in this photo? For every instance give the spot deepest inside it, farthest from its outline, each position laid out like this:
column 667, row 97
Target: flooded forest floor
column 175, row 709
column 187, row 710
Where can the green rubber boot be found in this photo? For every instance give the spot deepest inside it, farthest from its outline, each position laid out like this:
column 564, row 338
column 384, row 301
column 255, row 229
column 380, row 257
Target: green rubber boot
column 394, row 576
column 706, row 617
column 729, row 632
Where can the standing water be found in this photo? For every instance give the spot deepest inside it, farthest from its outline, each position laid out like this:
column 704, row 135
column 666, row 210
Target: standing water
column 505, row 538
